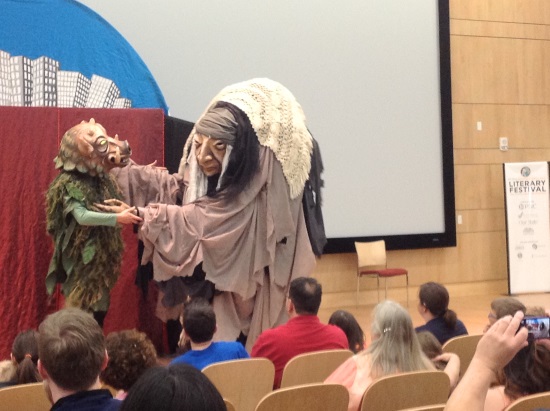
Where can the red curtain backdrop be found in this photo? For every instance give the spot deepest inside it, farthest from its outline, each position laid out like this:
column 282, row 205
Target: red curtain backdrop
column 29, row 141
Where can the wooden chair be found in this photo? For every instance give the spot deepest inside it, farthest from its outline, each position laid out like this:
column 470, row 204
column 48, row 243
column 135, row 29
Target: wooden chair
column 465, row 347
column 530, row 402
column 312, row 367
column 406, row 390
column 25, row 397
column 229, row 405
column 307, row 397
column 372, row 262
column 242, row 382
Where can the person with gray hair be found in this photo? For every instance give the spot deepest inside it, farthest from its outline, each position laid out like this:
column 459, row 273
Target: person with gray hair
column 72, row 354
column 394, row 349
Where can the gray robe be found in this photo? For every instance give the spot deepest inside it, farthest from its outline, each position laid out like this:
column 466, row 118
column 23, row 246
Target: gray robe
column 250, row 248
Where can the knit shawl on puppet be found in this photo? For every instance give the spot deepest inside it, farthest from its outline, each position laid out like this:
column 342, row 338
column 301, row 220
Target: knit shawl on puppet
column 250, row 247
column 86, row 259
column 279, row 122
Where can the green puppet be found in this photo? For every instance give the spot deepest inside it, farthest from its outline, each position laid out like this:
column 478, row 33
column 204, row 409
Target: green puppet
column 87, row 243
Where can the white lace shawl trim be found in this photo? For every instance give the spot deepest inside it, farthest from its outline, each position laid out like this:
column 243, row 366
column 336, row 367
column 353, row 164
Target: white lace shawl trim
column 279, row 123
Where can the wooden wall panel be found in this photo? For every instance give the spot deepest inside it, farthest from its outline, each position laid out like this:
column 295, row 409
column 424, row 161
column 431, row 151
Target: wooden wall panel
column 499, row 71
column 526, row 126
column 480, row 186
column 499, row 29
column 484, row 220
column 495, row 156
column 518, row 11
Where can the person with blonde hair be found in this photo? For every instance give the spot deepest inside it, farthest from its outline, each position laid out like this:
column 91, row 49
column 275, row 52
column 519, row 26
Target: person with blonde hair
column 394, row 349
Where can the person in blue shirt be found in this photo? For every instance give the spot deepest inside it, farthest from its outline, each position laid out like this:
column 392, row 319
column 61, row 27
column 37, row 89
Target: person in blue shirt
column 199, row 326
column 433, row 306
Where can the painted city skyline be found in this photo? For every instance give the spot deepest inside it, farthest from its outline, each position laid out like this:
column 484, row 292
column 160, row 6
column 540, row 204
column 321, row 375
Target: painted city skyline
column 41, row 83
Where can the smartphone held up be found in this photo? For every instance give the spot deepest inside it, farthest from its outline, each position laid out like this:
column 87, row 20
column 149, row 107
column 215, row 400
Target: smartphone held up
column 538, row 327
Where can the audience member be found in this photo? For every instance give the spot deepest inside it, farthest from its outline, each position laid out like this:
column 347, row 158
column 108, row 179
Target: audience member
column 347, row 322
column 495, row 349
column 535, row 311
column 7, row 373
column 501, row 307
column 174, row 388
column 433, row 307
column 24, row 354
column 302, row 333
column 199, row 325
column 72, row 354
column 432, row 348
column 130, row 353
column 394, row 349
column 528, row 372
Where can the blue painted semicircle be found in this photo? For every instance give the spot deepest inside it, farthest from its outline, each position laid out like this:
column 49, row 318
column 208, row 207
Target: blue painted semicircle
column 81, row 40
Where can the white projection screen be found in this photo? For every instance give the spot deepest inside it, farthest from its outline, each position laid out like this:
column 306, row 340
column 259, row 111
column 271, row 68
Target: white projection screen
column 373, row 78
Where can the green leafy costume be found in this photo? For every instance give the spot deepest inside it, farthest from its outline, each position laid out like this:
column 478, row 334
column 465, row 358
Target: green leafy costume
column 86, row 258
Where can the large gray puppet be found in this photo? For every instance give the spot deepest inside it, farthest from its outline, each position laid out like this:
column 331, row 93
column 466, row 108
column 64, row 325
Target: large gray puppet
column 235, row 206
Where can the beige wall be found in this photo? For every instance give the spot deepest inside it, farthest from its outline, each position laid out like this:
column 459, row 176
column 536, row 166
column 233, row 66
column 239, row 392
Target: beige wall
column 500, row 57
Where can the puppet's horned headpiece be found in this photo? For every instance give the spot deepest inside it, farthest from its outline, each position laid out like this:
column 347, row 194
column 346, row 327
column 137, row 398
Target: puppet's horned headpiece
column 87, row 148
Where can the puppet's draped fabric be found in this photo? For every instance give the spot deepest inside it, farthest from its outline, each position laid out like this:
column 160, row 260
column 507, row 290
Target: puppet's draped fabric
column 251, row 247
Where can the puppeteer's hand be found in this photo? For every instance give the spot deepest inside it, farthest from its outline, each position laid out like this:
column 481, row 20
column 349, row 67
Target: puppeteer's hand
column 128, row 216
column 113, row 206
column 501, row 342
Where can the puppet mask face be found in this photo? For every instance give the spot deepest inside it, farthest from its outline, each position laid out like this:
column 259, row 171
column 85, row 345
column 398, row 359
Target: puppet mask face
column 87, row 148
column 210, row 153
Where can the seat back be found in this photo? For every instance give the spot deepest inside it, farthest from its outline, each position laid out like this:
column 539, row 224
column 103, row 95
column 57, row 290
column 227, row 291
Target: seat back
column 308, row 397
column 465, row 347
column 371, row 255
column 25, row 397
column 406, row 390
column 530, row 402
column 312, row 367
column 242, row 382
column 436, row 407
column 228, row 405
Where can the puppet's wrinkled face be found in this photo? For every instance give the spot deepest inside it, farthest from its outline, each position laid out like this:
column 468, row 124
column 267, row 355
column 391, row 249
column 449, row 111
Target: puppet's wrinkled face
column 88, row 148
column 210, row 153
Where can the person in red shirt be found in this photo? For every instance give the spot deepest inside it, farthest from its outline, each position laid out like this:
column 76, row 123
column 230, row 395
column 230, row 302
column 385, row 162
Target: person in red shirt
column 303, row 332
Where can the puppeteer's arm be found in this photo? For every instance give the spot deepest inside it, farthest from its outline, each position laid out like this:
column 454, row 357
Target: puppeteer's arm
column 142, row 185
column 83, row 216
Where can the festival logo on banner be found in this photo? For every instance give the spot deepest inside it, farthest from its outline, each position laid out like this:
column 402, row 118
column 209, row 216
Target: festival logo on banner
column 528, row 225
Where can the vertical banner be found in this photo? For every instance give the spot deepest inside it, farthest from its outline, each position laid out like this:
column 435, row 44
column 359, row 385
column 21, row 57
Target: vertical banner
column 528, row 226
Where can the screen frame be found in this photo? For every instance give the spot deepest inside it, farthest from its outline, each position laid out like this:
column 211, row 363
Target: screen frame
column 429, row 240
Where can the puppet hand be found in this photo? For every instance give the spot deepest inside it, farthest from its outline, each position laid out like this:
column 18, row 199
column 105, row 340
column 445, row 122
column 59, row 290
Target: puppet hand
column 128, row 216
column 113, row 206
column 154, row 164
